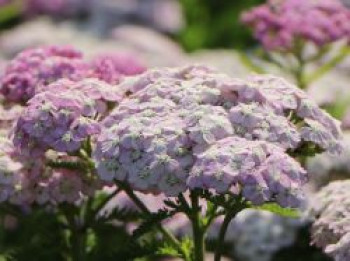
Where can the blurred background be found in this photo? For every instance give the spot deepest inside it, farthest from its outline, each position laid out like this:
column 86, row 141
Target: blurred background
column 166, row 33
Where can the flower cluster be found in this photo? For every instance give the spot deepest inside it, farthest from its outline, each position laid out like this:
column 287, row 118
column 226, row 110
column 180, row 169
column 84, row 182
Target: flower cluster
column 112, row 67
column 97, row 90
column 280, row 25
column 53, row 7
column 25, row 181
column 331, row 230
column 38, row 67
column 262, row 170
column 183, row 128
column 59, row 119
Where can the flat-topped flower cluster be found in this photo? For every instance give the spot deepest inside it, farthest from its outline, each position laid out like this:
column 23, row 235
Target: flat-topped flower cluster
column 81, row 128
column 171, row 130
column 51, row 106
column 193, row 127
column 279, row 25
column 36, row 68
column 331, row 230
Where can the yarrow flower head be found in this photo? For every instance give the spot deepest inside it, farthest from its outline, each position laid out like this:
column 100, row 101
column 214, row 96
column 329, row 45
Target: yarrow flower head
column 35, row 68
column 193, row 127
column 59, row 120
column 331, row 229
column 113, row 66
column 280, row 25
column 25, row 181
column 262, row 171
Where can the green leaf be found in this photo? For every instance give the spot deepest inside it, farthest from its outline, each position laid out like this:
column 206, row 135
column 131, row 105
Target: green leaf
column 276, row 209
column 150, row 221
column 122, row 214
column 168, row 250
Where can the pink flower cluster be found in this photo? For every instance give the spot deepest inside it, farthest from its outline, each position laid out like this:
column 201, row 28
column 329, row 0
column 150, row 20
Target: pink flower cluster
column 25, row 181
column 35, row 69
column 63, row 116
column 39, row 67
column 65, row 103
column 111, row 67
column 263, row 172
column 331, row 229
column 280, row 25
column 193, row 127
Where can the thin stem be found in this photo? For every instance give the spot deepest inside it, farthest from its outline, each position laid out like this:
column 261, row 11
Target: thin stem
column 198, row 230
column 299, row 77
column 170, row 237
column 105, row 202
column 222, row 234
column 77, row 238
column 325, row 68
column 299, row 73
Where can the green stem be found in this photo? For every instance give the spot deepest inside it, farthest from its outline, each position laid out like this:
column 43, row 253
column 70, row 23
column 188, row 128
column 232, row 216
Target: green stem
column 105, row 202
column 299, row 77
column 78, row 237
column 299, row 73
column 325, row 68
column 222, row 234
column 78, row 242
column 197, row 228
column 170, row 237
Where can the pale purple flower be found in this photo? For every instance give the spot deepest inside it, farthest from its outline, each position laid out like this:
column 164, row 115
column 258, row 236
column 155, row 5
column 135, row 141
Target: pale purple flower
column 317, row 133
column 56, row 120
column 280, row 25
column 331, row 227
column 112, row 67
column 262, row 171
column 193, row 127
column 35, row 68
column 254, row 121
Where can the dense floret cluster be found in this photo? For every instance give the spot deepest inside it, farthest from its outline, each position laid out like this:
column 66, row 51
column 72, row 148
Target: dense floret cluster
column 281, row 25
column 61, row 120
column 331, row 230
column 34, row 68
column 26, row 181
column 112, row 67
column 181, row 125
column 262, row 170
